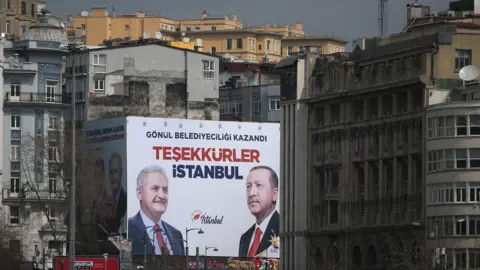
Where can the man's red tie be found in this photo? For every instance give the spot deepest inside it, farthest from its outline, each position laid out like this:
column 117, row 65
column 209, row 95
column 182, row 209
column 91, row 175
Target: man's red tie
column 161, row 241
column 256, row 243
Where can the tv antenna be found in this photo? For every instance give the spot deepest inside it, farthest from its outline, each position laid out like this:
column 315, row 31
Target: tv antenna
column 468, row 74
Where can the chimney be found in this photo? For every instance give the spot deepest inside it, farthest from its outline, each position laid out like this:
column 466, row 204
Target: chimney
column 204, row 15
column 235, row 18
column 139, row 14
column 476, row 7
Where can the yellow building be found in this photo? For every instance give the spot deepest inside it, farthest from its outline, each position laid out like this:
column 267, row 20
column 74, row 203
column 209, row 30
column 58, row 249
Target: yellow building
column 17, row 16
column 225, row 36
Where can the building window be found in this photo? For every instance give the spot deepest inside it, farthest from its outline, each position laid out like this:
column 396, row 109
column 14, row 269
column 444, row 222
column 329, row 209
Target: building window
column 274, row 103
column 208, row 69
column 289, row 50
column 275, row 46
column 229, row 43
column 83, row 26
column 462, row 58
column 474, row 157
column 461, row 158
column 188, row 29
column 52, row 184
column 214, row 28
column 7, row 28
column 268, row 45
column 52, row 123
column 51, row 89
column 23, row 30
column 14, row 215
column 256, row 106
column 235, row 106
column 301, row 50
column 460, row 226
column 32, row 11
column 127, row 27
column 474, row 192
column 213, row 50
column 23, row 8
column 259, row 47
column 15, row 90
column 99, row 63
column 15, row 152
column 15, row 121
column 460, row 193
column 99, row 85
column 474, row 254
column 239, row 43
column 9, row 4
column 52, row 213
column 15, row 185
column 461, row 125
column 474, row 124
column 52, row 153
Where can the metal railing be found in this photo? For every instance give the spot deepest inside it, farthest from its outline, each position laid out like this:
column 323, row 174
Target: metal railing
column 37, row 98
column 41, row 195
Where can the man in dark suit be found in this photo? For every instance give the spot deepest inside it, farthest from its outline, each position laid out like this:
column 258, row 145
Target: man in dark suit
column 118, row 201
column 262, row 194
column 147, row 225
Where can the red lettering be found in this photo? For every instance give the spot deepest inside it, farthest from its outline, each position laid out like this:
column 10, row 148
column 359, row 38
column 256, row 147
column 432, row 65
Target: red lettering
column 255, row 156
column 157, row 150
column 167, row 153
column 206, row 154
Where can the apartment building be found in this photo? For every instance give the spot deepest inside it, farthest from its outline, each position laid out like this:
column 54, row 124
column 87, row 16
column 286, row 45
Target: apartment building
column 225, row 36
column 143, row 79
column 33, row 195
column 355, row 161
column 18, row 15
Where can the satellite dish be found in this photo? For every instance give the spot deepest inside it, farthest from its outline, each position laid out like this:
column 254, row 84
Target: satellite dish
column 84, row 13
column 158, row 35
column 227, row 55
column 62, row 25
column 469, row 73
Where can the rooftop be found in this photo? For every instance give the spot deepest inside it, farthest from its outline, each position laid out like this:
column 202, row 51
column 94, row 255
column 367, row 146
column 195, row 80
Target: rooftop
column 43, row 31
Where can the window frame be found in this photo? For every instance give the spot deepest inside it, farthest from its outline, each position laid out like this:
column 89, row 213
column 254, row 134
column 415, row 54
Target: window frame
column 96, row 88
column 463, row 57
column 14, row 152
column 457, row 126
column 275, row 101
column 13, row 217
column 96, row 63
column 208, row 69
column 15, row 121
column 52, row 123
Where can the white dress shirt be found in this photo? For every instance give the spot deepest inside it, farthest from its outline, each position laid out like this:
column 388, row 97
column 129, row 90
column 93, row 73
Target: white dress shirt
column 152, row 235
column 263, row 227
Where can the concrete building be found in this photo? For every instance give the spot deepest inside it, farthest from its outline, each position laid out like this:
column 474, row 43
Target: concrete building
column 33, row 194
column 354, row 153
column 149, row 79
column 249, row 92
column 17, row 17
column 225, row 35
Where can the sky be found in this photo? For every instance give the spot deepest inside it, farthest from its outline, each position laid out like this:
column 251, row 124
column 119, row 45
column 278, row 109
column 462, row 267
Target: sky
column 348, row 19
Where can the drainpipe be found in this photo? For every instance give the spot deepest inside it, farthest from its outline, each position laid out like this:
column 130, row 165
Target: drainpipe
column 185, row 53
column 432, row 63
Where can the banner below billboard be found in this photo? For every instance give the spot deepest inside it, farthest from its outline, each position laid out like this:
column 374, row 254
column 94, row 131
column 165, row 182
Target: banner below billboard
column 88, row 263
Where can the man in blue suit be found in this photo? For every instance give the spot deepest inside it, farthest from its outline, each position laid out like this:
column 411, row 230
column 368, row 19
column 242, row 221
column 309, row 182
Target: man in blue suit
column 152, row 192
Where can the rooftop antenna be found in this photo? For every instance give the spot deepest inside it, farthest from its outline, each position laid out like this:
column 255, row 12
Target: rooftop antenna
column 469, row 74
column 382, row 18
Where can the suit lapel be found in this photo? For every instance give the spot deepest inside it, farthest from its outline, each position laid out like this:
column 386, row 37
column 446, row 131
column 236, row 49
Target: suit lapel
column 169, row 236
column 246, row 241
column 272, row 230
column 141, row 230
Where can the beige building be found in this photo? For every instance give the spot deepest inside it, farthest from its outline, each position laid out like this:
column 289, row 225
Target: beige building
column 225, row 36
column 16, row 16
column 357, row 178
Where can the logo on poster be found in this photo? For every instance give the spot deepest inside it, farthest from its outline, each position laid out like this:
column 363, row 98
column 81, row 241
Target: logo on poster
column 83, row 265
column 205, row 218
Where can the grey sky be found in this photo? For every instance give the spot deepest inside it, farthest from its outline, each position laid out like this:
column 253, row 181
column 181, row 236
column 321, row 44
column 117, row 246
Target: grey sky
column 348, row 19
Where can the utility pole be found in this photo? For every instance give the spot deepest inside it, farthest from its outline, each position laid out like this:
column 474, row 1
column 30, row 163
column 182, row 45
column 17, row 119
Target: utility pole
column 72, row 202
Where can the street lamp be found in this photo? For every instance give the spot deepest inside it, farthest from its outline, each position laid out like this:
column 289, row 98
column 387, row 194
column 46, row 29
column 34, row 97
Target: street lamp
column 105, row 256
column 206, row 259
column 187, row 230
column 145, row 244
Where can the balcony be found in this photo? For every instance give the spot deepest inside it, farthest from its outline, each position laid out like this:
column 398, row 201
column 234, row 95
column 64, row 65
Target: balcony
column 358, row 155
column 28, row 97
column 333, row 158
column 32, row 196
column 373, row 153
column 402, row 148
column 415, row 146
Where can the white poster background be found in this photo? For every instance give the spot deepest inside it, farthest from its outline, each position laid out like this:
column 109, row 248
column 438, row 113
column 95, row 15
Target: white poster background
column 217, row 197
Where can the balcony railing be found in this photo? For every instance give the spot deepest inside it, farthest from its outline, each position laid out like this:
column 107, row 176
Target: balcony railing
column 26, row 97
column 33, row 196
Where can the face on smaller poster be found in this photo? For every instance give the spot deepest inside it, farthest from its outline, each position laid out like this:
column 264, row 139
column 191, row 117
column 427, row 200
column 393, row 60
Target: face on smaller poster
column 88, row 263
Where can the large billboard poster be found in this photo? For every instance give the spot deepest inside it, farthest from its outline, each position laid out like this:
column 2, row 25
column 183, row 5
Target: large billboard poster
column 218, row 177
column 88, row 263
column 108, row 139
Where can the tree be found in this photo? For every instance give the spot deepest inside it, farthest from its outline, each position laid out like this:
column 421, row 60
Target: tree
column 10, row 257
column 46, row 169
column 409, row 255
